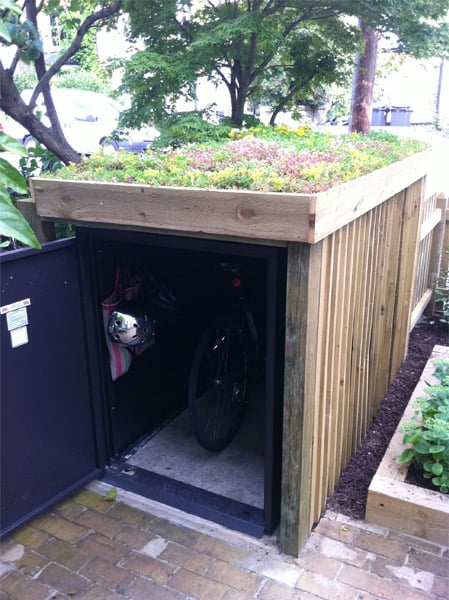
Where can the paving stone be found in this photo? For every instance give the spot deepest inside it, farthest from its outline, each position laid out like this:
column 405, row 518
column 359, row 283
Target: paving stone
column 377, row 544
column 196, row 586
column 441, row 586
column 104, row 573
column 30, row 537
column 319, row 563
column 273, row 590
column 69, row 509
column 237, row 595
column 144, row 589
column 28, row 561
column 343, row 552
column 428, row 562
column 61, row 528
column 99, row 593
column 147, row 566
column 19, row 587
column 63, row 580
column 234, row 577
column 324, row 587
column 369, row 582
column 274, row 568
column 175, row 533
column 219, row 549
column 337, row 531
column 99, row 545
column 187, row 558
column 91, row 500
column 133, row 537
column 65, row 554
column 130, row 515
column 385, row 567
column 91, row 519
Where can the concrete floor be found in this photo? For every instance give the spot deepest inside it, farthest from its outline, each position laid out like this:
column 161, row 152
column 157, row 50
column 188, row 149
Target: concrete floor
column 237, row 472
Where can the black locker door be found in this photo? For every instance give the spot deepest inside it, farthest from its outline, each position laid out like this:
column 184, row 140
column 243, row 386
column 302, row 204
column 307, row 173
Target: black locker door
column 48, row 444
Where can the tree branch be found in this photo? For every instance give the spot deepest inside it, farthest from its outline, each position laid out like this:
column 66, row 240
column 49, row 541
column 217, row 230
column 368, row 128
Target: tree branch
column 103, row 13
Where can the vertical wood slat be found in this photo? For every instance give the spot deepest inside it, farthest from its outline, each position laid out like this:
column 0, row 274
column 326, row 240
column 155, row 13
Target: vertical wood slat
column 407, row 270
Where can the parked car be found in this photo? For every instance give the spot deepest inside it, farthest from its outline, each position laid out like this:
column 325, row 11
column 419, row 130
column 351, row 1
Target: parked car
column 89, row 121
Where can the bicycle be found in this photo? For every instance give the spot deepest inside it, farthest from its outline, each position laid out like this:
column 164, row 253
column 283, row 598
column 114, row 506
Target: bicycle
column 218, row 382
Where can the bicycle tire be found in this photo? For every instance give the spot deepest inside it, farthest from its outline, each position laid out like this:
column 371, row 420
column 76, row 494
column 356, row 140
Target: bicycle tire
column 218, row 384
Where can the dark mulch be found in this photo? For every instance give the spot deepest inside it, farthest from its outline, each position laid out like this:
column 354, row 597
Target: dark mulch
column 351, row 493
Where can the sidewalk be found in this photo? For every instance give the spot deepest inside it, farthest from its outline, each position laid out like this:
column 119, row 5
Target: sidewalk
column 89, row 548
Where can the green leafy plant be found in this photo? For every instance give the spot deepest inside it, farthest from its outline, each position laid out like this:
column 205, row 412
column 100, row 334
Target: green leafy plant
column 12, row 223
column 428, row 431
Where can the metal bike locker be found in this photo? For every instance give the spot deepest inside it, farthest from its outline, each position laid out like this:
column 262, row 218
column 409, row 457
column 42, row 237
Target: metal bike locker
column 146, row 400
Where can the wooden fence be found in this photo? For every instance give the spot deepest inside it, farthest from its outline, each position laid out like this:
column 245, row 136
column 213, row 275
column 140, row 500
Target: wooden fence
column 362, row 301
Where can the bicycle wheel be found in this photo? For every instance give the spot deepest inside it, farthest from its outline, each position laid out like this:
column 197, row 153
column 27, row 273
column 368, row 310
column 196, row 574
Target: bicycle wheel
column 218, row 384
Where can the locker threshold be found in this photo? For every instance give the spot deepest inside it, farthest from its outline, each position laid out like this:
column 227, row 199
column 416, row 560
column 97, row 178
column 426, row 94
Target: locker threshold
column 196, row 501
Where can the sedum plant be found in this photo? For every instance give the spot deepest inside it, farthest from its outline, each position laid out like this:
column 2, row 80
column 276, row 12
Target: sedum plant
column 428, row 431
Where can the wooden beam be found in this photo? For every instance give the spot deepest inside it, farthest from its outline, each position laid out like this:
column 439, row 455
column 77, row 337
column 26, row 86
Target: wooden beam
column 44, row 231
column 300, row 393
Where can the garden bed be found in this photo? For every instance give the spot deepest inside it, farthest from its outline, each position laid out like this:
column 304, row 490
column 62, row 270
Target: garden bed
column 392, row 502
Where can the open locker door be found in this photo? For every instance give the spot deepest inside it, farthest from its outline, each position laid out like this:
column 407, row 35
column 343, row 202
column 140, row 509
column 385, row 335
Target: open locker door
column 48, row 440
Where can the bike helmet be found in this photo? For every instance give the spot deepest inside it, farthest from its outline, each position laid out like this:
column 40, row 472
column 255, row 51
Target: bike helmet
column 131, row 326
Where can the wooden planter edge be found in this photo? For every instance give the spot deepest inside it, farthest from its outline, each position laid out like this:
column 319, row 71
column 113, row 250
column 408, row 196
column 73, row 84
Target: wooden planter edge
column 395, row 504
column 254, row 216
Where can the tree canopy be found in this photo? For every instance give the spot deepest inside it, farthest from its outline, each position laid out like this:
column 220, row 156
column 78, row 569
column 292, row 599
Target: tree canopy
column 281, row 50
column 239, row 43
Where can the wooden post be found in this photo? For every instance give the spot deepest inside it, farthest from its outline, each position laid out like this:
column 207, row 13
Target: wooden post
column 43, row 230
column 436, row 253
column 300, row 402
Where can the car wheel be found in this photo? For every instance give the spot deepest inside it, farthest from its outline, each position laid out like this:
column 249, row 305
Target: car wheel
column 29, row 142
column 109, row 146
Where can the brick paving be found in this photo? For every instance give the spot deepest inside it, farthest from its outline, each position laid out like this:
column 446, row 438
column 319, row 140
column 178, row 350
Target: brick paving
column 88, row 548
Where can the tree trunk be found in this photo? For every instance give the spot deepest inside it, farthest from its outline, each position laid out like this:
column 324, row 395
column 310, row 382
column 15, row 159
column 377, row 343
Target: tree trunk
column 363, row 83
column 13, row 105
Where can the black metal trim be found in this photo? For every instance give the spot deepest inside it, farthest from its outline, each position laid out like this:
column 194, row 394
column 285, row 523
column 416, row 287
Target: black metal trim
column 202, row 503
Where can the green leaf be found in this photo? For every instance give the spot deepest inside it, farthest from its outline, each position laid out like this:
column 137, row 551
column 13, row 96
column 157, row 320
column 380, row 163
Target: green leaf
column 422, row 448
column 10, row 5
column 428, row 466
column 111, row 495
column 12, row 224
column 11, row 145
column 11, row 178
column 4, row 33
column 406, row 456
column 437, row 469
column 437, row 449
